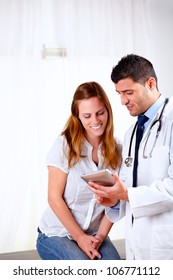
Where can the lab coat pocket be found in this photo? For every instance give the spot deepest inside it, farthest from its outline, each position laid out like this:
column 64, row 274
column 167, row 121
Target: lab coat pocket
column 160, row 161
column 162, row 243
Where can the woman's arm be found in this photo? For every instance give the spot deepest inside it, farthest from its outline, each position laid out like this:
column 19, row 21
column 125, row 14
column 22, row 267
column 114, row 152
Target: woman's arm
column 103, row 231
column 56, row 186
column 104, row 227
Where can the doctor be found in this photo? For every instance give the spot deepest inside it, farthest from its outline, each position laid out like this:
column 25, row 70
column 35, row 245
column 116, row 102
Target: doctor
column 148, row 206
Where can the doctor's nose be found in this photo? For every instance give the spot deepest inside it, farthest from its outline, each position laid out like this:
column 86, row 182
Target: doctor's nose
column 124, row 100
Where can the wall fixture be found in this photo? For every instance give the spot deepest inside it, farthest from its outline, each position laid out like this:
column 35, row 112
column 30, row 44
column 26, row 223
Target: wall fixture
column 53, row 52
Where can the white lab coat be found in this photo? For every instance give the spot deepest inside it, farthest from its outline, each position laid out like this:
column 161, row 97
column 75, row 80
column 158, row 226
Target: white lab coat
column 151, row 203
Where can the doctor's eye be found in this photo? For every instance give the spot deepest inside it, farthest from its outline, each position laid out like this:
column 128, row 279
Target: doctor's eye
column 129, row 92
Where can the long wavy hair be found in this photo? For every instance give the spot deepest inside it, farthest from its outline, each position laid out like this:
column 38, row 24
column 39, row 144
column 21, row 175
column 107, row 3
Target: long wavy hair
column 74, row 130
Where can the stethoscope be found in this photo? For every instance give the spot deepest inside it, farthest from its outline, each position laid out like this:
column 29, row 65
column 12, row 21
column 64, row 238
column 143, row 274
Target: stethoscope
column 128, row 161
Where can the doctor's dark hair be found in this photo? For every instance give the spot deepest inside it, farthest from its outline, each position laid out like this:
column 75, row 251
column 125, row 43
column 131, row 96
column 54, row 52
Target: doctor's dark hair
column 138, row 68
column 74, row 131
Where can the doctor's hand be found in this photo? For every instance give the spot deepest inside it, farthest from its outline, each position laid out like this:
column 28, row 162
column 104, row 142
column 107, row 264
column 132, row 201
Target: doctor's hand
column 109, row 196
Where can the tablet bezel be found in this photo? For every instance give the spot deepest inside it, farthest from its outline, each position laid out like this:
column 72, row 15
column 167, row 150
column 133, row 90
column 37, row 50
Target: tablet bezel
column 102, row 177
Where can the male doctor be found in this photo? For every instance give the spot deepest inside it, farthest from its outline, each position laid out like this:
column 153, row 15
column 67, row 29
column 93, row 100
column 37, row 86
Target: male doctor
column 145, row 198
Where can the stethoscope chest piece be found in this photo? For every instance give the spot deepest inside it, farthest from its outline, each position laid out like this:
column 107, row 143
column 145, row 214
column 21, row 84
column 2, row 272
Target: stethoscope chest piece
column 128, row 161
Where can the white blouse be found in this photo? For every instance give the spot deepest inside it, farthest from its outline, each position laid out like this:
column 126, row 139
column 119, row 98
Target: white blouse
column 80, row 200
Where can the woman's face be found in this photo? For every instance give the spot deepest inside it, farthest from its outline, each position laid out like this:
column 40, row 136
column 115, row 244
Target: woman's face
column 93, row 116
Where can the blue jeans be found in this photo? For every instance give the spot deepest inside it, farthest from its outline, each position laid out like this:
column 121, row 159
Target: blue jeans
column 62, row 248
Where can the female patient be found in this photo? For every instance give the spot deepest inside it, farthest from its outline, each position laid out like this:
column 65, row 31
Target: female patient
column 75, row 227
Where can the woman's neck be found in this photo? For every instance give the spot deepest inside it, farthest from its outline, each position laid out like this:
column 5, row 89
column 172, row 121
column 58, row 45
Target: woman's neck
column 93, row 141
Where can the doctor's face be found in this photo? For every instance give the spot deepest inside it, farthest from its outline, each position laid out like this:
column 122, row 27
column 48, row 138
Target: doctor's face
column 136, row 97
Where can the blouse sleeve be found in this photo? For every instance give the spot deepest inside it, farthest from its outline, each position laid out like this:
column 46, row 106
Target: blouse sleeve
column 57, row 155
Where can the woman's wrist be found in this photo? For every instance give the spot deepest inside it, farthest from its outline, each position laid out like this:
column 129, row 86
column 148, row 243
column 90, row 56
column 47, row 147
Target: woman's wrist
column 100, row 237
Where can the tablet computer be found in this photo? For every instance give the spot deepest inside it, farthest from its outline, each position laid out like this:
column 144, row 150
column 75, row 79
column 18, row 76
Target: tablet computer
column 101, row 177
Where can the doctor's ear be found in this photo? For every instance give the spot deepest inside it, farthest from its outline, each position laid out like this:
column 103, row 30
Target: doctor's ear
column 151, row 83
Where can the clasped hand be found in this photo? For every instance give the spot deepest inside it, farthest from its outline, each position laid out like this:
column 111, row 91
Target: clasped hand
column 89, row 245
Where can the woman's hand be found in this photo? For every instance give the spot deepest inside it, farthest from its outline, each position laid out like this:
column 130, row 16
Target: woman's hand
column 88, row 244
column 97, row 243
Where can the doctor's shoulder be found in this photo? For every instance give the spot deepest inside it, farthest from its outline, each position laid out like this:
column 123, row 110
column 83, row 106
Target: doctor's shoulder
column 169, row 108
column 129, row 131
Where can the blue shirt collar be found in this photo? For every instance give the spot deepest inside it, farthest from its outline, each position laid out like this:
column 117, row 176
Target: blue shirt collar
column 151, row 112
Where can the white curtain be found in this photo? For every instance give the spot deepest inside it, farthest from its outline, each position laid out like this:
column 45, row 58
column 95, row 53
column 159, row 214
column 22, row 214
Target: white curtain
column 36, row 92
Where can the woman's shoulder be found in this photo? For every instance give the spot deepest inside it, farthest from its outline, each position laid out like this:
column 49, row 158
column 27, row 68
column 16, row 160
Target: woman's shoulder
column 57, row 155
column 59, row 145
column 60, row 140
